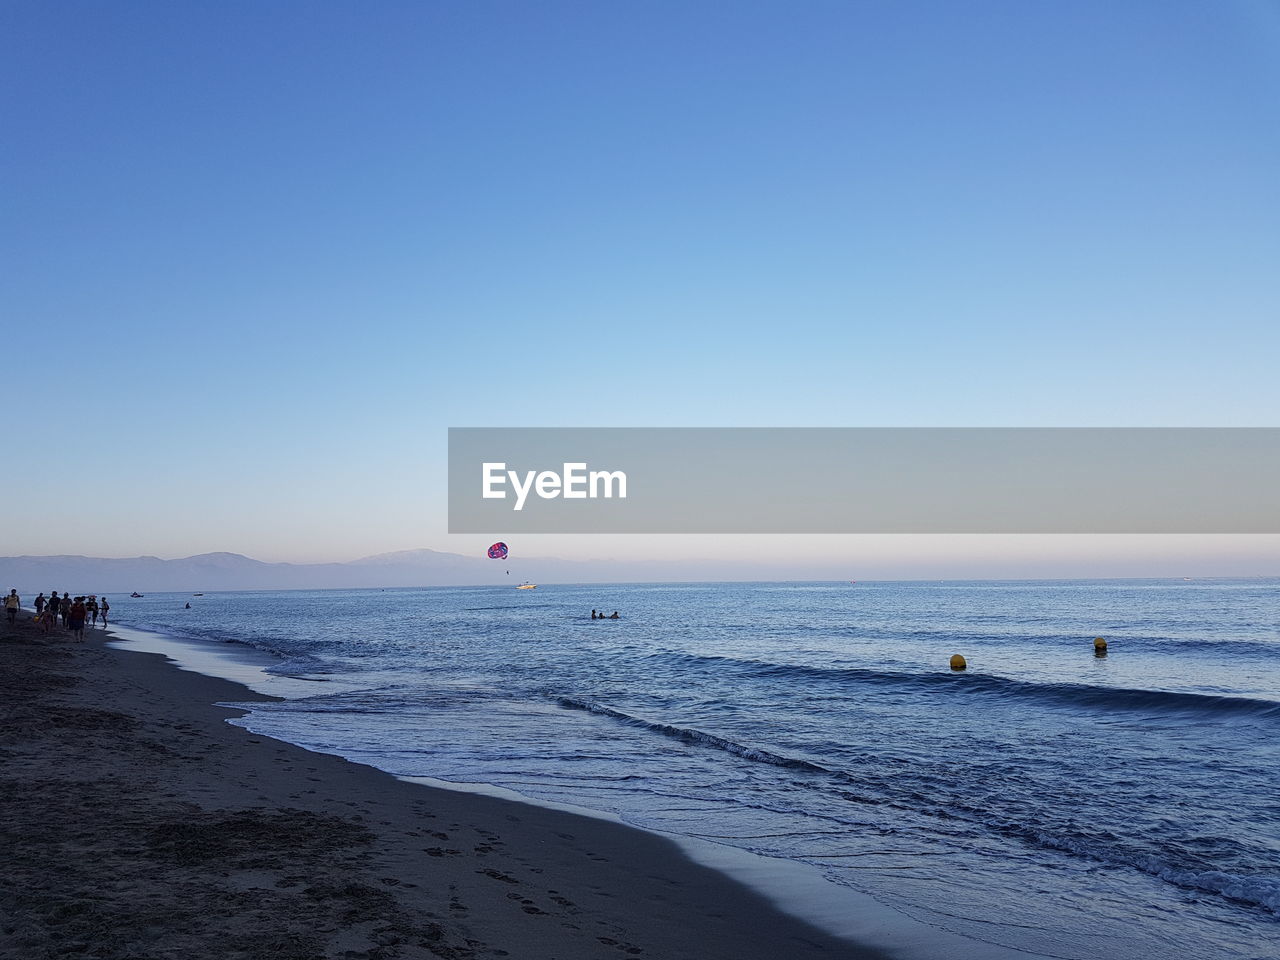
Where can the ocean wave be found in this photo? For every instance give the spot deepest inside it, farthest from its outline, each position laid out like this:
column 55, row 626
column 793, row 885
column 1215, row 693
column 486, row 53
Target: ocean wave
column 291, row 659
column 1078, row 695
column 690, row 735
column 1121, row 698
column 1255, row 890
column 1153, row 636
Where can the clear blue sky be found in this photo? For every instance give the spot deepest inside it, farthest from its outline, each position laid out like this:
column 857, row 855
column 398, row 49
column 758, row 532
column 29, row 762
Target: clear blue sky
column 257, row 257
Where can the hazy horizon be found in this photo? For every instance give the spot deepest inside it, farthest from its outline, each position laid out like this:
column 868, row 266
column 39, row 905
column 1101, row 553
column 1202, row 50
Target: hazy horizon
column 963, row 559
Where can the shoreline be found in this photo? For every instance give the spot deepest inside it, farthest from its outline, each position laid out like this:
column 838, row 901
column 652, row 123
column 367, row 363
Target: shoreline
column 143, row 824
column 797, row 889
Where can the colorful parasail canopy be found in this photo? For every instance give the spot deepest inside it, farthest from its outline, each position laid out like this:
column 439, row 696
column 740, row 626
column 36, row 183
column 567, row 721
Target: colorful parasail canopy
column 498, row 551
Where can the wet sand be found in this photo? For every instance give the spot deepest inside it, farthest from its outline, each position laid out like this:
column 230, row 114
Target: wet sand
column 136, row 823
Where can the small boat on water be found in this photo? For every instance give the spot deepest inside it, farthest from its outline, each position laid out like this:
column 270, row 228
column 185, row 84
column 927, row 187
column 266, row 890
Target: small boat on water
column 197, row 594
column 135, row 594
column 527, row 586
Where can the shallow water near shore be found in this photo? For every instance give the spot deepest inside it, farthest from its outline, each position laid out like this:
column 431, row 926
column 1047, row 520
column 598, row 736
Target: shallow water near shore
column 1045, row 800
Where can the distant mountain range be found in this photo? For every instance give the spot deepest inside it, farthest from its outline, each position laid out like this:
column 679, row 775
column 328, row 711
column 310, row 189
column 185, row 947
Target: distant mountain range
column 431, row 568
column 231, row 571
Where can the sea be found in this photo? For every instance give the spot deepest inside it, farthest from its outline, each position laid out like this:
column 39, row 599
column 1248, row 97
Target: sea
column 1045, row 802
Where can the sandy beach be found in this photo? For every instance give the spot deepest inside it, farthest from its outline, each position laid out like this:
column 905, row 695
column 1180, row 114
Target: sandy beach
column 137, row 824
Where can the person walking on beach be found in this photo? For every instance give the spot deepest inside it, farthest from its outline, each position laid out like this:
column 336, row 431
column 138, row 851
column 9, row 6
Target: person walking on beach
column 11, row 605
column 75, row 618
column 40, row 602
column 91, row 606
column 105, row 607
column 52, row 609
column 65, row 609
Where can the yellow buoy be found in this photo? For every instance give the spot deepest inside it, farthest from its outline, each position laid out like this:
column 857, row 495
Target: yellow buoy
column 957, row 662
column 1099, row 647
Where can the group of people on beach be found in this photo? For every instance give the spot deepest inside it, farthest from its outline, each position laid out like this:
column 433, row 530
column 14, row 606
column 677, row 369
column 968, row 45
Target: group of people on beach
column 601, row 616
column 73, row 612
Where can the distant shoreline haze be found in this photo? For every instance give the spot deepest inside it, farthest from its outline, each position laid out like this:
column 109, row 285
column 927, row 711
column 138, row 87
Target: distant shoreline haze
column 422, row 568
